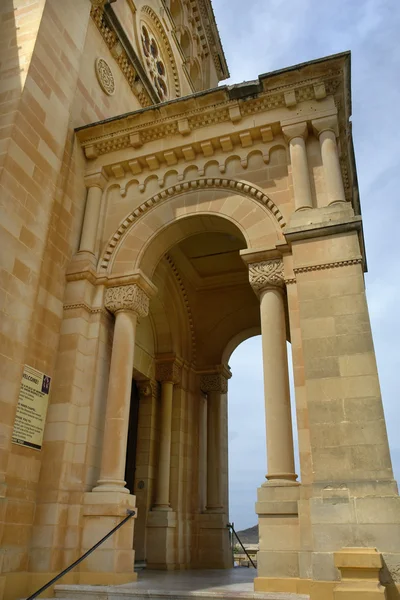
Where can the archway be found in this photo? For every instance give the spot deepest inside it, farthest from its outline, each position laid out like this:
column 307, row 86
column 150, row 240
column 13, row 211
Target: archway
column 187, row 242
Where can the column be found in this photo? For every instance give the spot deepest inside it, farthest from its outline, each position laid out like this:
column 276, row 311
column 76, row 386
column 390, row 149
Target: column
column 327, row 131
column 95, row 184
column 168, row 373
column 267, row 280
column 127, row 303
column 296, row 135
column 214, row 384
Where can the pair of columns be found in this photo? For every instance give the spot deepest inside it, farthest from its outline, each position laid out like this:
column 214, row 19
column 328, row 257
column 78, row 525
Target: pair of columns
column 128, row 303
column 326, row 129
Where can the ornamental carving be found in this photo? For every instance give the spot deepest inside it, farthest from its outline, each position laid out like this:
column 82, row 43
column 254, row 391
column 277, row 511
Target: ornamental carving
column 147, row 389
column 213, row 382
column 105, row 76
column 168, row 371
column 127, row 297
column 266, row 274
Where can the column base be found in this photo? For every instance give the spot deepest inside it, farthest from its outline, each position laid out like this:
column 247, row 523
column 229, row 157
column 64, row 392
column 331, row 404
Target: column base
column 279, row 529
column 110, row 486
column 214, row 551
column 161, row 527
column 214, row 510
column 113, row 560
column 281, row 480
column 162, row 508
column 83, row 260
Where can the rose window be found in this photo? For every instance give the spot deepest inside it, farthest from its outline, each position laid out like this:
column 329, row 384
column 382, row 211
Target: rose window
column 154, row 63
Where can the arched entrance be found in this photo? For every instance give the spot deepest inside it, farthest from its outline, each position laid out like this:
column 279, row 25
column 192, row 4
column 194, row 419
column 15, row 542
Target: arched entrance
column 188, row 252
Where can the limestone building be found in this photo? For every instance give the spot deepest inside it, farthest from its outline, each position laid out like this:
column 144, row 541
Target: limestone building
column 150, row 222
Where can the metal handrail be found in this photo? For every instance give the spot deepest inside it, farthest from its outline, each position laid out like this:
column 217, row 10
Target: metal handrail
column 230, row 525
column 130, row 514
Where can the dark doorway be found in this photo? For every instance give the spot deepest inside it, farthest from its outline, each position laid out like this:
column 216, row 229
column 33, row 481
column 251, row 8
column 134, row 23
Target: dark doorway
column 130, row 466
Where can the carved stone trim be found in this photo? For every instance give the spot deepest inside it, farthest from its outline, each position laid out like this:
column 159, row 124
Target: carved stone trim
column 127, row 297
column 119, row 137
column 240, row 187
column 213, row 382
column 169, row 371
column 266, row 274
column 290, row 280
column 121, row 57
column 186, row 303
column 104, row 76
column 86, row 307
column 332, row 265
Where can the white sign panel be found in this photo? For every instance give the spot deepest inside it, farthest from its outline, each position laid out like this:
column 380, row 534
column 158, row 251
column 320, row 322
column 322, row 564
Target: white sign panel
column 32, row 408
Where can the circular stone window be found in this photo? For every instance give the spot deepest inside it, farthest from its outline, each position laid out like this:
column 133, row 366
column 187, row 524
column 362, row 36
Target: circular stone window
column 154, row 62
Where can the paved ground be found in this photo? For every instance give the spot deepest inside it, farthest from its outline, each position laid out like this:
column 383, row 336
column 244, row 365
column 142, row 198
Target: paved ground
column 232, row 584
column 239, row 579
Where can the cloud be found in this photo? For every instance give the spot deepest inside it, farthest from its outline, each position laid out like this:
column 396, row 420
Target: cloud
column 259, row 37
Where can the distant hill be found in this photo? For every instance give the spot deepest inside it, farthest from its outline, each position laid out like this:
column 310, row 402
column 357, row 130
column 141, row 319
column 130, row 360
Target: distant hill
column 249, row 536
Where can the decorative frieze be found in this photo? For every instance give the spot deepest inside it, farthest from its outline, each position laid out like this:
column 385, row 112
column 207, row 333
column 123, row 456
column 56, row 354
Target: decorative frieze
column 127, row 297
column 169, row 370
column 266, row 274
column 213, row 382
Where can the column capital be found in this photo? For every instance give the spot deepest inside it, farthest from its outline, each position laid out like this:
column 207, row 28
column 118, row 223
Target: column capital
column 127, row 297
column 326, row 124
column 99, row 3
column 298, row 130
column 169, row 370
column 267, row 274
column 214, row 382
column 98, row 179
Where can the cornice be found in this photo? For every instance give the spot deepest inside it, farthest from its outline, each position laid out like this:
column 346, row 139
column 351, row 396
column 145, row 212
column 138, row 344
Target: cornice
column 211, row 42
column 107, row 137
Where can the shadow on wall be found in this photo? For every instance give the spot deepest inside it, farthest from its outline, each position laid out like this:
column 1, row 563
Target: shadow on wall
column 387, row 580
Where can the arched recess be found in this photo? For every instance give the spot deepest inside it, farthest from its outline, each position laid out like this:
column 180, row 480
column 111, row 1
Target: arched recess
column 245, row 205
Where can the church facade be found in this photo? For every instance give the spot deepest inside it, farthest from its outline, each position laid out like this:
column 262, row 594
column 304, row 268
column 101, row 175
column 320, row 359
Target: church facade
column 152, row 220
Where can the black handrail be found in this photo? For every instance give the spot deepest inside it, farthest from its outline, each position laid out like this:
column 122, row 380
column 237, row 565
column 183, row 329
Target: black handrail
column 230, row 525
column 131, row 513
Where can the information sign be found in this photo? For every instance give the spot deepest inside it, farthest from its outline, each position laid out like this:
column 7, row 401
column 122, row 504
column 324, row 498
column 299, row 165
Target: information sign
column 32, row 408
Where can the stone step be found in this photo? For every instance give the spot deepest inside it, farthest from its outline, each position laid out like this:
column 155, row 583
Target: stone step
column 129, row 592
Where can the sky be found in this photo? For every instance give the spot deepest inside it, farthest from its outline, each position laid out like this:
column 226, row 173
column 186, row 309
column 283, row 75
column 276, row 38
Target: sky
column 264, row 35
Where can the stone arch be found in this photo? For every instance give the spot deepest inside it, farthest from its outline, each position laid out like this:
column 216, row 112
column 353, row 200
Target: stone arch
column 191, row 199
column 236, row 340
